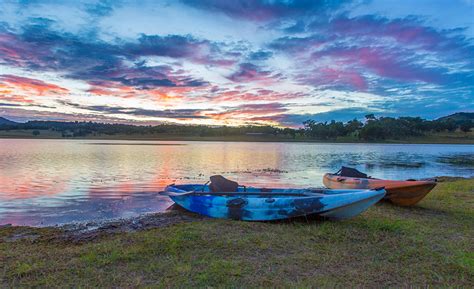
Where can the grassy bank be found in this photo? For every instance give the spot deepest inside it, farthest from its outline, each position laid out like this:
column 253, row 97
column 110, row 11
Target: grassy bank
column 439, row 138
column 430, row 244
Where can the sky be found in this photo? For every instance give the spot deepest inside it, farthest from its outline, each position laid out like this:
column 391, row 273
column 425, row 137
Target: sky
column 220, row 62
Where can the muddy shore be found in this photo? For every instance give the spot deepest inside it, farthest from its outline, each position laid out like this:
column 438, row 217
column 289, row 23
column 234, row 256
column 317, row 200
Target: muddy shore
column 88, row 231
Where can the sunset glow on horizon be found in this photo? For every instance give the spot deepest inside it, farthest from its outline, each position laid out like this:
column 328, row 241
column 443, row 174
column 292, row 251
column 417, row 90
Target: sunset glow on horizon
column 234, row 62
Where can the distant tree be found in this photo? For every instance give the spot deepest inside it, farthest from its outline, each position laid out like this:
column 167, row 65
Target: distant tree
column 353, row 126
column 451, row 125
column 372, row 131
column 36, row 133
column 466, row 126
column 289, row 131
column 370, row 117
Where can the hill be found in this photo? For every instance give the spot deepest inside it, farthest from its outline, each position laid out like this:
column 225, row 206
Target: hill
column 459, row 116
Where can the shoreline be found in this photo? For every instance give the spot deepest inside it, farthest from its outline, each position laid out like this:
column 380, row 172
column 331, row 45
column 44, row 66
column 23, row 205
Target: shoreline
column 79, row 232
column 456, row 141
column 88, row 230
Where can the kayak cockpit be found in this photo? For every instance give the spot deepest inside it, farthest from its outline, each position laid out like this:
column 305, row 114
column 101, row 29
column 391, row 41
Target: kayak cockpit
column 254, row 191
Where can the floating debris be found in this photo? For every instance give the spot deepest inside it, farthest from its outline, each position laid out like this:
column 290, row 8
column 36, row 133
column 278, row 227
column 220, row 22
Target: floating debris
column 135, row 144
column 458, row 160
column 258, row 171
column 396, row 164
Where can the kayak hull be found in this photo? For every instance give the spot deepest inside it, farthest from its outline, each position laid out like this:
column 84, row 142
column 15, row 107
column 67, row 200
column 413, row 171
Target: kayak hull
column 255, row 204
column 402, row 193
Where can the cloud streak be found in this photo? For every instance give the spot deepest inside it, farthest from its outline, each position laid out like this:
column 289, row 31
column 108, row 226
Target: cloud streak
column 261, row 11
column 167, row 113
column 30, row 85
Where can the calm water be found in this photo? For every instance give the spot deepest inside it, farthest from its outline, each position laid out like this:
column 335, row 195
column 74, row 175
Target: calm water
column 45, row 182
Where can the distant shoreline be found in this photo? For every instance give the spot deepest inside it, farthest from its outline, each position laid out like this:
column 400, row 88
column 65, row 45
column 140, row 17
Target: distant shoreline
column 429, row 139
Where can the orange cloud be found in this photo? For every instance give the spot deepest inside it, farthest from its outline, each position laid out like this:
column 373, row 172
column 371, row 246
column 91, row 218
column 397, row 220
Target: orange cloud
column 258, row 95
column 17, row 84
column 162, row 94
column 7, row 96
column 266, row 113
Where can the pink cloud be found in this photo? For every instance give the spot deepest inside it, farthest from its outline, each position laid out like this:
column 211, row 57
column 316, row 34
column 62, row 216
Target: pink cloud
column 384, row 63
column 249, row 112
column 163, row 95
column 14, row 51
column 405, row 31
column 13, row 97
column 17, row 84
column 248, row 72
column 240, row 94
column 335, row 77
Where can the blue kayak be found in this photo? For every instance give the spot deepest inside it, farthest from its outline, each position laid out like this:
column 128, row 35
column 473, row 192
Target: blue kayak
column 261, row 204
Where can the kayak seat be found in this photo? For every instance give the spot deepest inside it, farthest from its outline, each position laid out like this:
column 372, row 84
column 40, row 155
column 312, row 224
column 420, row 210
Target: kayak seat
column 220, row 184
column 351, row 173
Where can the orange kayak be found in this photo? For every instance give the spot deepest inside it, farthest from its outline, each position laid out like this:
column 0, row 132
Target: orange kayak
column 402, row 193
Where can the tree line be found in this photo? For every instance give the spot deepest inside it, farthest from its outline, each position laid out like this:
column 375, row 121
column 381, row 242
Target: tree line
column 385, row 127
column 372, row 128
column 82, row 129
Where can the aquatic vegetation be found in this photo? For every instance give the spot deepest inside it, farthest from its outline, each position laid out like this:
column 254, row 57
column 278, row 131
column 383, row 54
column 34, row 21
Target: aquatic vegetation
column 393, row 164
column 458, row 160
column 258, row 171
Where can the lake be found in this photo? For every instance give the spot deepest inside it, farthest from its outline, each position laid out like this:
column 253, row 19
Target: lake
column 48, row 182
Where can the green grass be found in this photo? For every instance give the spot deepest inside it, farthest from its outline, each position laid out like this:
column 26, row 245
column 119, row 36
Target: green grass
column 387, row 246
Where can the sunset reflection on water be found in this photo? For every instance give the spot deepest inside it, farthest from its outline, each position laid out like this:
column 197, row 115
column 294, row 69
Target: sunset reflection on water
column 45, row 182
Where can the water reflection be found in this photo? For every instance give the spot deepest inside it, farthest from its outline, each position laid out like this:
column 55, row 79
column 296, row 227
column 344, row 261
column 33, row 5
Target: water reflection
column 44, row 182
